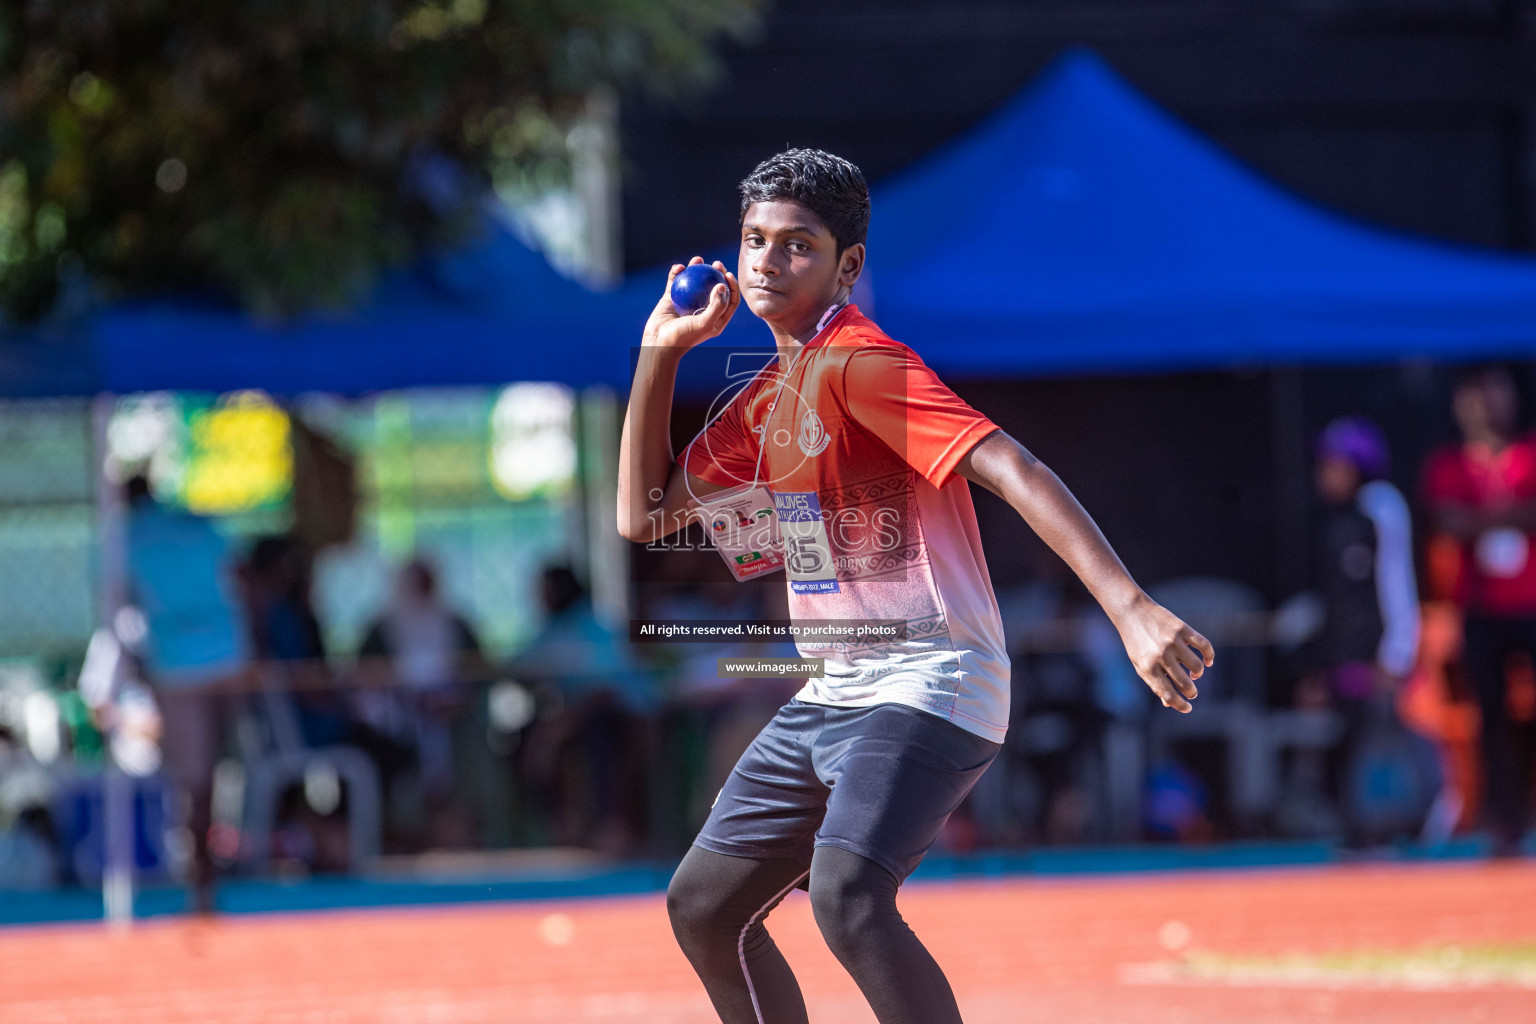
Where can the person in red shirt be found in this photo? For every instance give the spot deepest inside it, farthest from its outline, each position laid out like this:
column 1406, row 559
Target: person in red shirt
column 861, row 458
column 1482, row 493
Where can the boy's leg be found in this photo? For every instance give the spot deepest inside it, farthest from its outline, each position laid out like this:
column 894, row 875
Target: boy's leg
column 854, row 900
column 717, row 905
column 755, row 848
column 896, row 774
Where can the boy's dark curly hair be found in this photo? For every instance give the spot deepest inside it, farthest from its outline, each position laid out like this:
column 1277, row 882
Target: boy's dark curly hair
column 829, row 186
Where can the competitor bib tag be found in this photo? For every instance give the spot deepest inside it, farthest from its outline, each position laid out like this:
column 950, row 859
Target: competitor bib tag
column 744, row 531
column 807, row 553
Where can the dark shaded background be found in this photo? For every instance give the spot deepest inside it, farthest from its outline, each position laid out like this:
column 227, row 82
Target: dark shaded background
column 1417, row 114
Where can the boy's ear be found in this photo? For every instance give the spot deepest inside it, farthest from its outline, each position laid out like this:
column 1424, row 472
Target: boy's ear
column 851, row 265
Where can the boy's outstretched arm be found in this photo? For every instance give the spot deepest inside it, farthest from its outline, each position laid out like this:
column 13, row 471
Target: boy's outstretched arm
column 1161, row 647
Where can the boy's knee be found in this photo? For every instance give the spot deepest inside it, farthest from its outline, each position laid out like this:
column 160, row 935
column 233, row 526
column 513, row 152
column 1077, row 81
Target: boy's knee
column 700, row 907
column 689, row 905
column 850, row 899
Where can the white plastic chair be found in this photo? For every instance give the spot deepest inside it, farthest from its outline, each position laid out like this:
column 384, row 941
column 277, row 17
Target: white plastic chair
column 283, row 759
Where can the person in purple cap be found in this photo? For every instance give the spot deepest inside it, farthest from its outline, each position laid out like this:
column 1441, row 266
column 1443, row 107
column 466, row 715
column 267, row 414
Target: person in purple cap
column 1370, row 635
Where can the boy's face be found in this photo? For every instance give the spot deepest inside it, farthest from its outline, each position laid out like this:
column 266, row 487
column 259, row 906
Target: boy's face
column 788, row 265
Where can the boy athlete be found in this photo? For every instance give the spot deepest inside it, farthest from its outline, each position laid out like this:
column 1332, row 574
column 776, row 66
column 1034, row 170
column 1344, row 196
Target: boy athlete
column 867, row 455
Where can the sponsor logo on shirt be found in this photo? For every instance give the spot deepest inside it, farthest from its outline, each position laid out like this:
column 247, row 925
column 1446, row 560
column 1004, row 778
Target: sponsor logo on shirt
column 813, row 437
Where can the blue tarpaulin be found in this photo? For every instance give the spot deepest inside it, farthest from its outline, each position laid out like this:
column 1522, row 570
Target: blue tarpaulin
column 491, row 312
column 488, row 312
column 54, row 360
column 1081, row 228
column 1078, row 229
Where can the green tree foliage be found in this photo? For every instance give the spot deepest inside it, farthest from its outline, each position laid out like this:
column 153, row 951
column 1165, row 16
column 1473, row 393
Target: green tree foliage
column 258, row 147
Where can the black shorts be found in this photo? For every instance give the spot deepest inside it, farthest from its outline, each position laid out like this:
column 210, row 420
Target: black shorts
column 878, row 781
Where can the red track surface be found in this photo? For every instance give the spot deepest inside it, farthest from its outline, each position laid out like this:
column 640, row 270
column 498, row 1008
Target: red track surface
column 1017, row 951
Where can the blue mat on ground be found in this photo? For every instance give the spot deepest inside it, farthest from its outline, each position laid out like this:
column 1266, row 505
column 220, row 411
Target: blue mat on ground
column 251, row 896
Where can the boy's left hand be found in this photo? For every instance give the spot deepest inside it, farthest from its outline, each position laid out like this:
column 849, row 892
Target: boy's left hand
column 1168, row 655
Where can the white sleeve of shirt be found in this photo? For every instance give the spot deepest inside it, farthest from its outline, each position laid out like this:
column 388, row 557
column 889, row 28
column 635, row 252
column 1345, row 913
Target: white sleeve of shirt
column 1396, row 590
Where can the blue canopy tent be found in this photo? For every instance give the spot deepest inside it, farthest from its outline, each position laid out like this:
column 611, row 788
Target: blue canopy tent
column 47, row 362
column 490, row 312
column 1082, row 229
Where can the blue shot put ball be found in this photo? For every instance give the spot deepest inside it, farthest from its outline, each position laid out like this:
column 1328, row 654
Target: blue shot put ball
column 691, row 288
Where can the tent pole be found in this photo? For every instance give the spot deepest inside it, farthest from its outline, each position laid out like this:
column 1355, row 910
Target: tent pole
column 595, row 145
column 112, row 591
column 607, row 554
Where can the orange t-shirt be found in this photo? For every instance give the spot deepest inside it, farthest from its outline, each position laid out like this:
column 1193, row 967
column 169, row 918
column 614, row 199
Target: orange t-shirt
column 862, row 438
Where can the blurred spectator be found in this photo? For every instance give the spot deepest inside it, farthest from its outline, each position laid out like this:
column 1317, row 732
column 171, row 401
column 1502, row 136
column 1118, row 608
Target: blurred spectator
column 713, row 717
column 286, row 632
column 304, row 708
column 1060, row 730
column 1370, row 631
column 1437, row 703
column 28, row 844
column 1070, row 686
column 1371, row 628
column 428, row 654
column 1482, row 494
column 590, row 756
column 181, row 576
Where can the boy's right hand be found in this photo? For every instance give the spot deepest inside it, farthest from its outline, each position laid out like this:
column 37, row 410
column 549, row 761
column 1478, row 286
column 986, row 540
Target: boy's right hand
column 666, row 329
